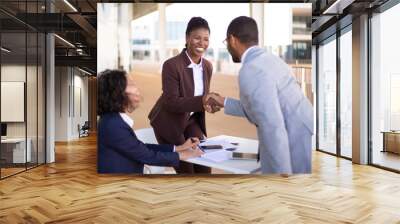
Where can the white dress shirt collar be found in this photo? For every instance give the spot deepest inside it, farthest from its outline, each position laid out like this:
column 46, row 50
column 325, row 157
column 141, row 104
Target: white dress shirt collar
column 194, row 65
column 245, row 53
column 128, row 120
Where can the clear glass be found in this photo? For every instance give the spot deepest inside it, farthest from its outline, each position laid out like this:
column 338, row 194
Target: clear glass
column 41, row 99
column 32, row 97
column 23, row 91
column 346, row 94
column 385, row 91
column 14, row 153
column 327, row 97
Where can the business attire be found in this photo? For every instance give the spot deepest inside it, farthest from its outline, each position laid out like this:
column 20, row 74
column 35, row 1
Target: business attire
column 120, row 151
column 179, row 113
column 271, row 99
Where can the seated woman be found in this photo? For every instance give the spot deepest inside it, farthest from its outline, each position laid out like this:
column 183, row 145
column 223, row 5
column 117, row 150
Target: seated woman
column 119, row 150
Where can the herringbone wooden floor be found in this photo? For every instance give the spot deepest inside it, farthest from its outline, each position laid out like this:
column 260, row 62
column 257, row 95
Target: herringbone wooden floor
column 70, row 191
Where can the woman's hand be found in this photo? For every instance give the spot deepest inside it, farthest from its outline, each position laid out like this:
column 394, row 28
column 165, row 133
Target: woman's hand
column 211, row 102
column 190, row 153
column 191, row 143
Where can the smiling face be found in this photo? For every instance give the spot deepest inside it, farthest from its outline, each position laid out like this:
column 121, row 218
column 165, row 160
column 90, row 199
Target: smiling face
column 197, row 42
column 133, row 93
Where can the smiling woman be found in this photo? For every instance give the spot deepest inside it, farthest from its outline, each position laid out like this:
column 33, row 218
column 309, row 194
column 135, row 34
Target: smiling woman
column 179, row 112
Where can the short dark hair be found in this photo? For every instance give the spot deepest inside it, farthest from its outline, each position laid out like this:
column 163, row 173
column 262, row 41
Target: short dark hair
column 245, row 29
column 111, row 85
column 196, row 23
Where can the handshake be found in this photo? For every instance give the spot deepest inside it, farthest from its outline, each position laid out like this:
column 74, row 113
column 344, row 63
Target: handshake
column 213, row 102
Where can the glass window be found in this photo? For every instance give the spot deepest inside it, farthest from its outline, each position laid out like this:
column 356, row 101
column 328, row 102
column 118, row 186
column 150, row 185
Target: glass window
column 41, row 150
column 385, row 89
column 14, row 153
column 346, row 94
column 327, row 97
column 32, row 97
column 22, row 93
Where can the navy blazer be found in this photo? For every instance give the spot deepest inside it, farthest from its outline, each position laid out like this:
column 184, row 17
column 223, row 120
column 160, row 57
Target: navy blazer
column 120, row 151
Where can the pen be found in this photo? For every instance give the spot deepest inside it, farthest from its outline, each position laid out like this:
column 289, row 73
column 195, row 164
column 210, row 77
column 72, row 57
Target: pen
column 193, row 141
column 199, row 147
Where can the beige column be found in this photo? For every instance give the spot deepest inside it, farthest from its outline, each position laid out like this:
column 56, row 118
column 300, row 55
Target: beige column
column 125, row 17
column 257, row 13
column 162, row 23
column 360, row 90
column 50, row 93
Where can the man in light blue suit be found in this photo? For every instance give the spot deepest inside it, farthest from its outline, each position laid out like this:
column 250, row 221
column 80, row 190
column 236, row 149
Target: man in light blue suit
column 271, row 99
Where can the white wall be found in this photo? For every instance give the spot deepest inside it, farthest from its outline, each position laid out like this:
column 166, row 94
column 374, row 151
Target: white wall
column 314, row 86
column 71, row 93
column 114, row 36
column 80, row 103
column 61, row 103
column 33, row 126
column 14, row 73
column 107, row 33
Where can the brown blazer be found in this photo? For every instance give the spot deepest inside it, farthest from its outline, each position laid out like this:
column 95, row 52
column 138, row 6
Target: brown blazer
column 169, row 116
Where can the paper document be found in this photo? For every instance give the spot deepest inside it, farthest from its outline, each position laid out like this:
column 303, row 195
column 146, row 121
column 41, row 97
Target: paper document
column 224, row 143
column 218, row 155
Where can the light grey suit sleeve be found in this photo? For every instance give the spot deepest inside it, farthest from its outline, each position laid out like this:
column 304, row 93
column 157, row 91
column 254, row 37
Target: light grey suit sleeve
column 259, row 94
column 234, row 107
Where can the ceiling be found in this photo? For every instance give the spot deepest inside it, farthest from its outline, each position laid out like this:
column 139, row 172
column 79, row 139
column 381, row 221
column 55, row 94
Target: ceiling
column 332, row 15
column 74, row 22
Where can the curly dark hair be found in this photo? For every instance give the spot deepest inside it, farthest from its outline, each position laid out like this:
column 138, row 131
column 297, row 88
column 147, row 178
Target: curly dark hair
column 111, row 85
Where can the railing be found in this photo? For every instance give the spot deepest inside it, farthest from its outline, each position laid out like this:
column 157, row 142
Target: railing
column 303, row 75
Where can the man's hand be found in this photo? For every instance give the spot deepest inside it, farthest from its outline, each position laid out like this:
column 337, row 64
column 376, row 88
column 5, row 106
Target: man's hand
column 213, row 102
column 217, row 99
column 206, row 106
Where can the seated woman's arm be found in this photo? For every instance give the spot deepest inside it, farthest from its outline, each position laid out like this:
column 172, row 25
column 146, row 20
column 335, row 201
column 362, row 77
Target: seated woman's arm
column 129, row 146
column 161, row 147
column 190, row 143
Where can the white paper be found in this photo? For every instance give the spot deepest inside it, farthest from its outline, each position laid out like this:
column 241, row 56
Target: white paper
column 225, row 144
column 219, row 155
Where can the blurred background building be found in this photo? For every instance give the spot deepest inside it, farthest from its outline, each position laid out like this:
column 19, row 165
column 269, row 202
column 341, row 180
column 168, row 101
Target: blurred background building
column 156, row 32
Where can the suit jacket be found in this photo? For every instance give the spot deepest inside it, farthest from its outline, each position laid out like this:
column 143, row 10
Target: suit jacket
column 119, row 150
column 271, row 99
column 169, row 116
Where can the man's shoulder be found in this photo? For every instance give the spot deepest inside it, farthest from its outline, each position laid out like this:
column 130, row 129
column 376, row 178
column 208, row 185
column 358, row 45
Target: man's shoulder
column 266, row 62
column 256, row 65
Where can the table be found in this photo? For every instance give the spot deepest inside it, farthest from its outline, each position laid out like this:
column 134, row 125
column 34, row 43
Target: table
column 391, row 141
column 234, row 166
column 16, row 147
